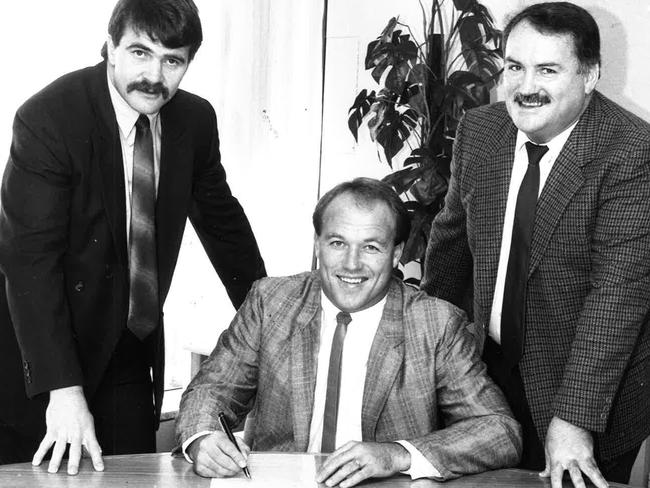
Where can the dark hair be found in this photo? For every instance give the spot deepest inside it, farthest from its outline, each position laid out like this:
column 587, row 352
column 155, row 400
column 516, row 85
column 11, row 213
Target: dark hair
column 173, row 23
column 365, row 191
column 563, row 18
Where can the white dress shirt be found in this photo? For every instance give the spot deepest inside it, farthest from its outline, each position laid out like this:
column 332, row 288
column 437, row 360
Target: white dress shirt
column 354, row 364
column 519, row 168
column 126, row 118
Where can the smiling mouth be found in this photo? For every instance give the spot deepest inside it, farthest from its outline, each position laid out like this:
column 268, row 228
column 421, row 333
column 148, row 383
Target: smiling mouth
column 530, row 104
column 350, row 280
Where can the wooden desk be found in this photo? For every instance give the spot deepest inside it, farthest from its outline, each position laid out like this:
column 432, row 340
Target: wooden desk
column 165, row 471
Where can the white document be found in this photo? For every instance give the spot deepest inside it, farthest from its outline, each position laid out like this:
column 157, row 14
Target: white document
column 269, row 470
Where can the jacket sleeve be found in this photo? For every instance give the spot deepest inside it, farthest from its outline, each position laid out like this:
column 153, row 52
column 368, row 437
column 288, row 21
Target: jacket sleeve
column 617, row 304
column 227, row 380
column 220, row 221
column 479, row 431
column 34, row 221
column 448, row 259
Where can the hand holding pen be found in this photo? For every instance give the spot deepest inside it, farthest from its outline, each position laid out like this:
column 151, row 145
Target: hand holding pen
column 219, row 454
column 231, row 437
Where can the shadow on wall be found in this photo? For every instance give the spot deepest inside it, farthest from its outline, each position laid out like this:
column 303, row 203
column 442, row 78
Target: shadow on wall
column 615, row 53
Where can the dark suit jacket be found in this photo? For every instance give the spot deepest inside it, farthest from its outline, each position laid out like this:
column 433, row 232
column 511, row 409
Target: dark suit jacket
column 63, row 247
column 587, row 343
column 423, row 367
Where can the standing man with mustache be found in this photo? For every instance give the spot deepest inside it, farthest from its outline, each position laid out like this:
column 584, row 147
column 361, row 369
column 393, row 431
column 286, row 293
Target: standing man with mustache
column 106, row 165
column 547, row 222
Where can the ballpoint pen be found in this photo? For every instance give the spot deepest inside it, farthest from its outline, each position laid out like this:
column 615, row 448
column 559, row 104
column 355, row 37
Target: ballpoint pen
column 231, row 438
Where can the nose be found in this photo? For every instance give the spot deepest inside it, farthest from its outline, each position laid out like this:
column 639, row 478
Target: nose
column 528, row 82
column 154, row 71
column 352, row 259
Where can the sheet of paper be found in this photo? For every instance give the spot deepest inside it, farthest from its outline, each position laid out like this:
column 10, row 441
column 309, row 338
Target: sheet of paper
column 269, row 470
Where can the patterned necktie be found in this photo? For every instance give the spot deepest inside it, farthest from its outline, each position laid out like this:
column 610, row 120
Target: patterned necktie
column 514, row 296
column 143, row 268
column 334, row 383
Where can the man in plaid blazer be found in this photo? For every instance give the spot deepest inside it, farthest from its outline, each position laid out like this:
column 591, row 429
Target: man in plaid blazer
column 424, row 404
column 582, row 387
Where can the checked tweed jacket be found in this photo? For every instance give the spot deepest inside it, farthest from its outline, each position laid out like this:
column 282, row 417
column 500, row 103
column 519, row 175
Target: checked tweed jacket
column 587, row 344
column 423, row 367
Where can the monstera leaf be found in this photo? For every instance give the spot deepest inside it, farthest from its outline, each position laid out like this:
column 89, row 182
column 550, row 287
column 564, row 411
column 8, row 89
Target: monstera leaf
column 476, row 31
column 423, row 91
column 359, row 110
column 390, row 128
column 391, row 49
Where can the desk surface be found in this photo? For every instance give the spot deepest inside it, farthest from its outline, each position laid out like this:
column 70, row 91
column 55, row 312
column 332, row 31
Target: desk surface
column 163, row 470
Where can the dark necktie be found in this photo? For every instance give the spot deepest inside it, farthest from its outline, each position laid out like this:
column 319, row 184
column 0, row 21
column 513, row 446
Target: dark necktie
column 514, row 294
column 143, row 267
column 334, row 383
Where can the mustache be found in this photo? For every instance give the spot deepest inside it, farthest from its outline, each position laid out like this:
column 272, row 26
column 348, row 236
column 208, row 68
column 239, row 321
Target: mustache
column 532, row 98
column 147, row 87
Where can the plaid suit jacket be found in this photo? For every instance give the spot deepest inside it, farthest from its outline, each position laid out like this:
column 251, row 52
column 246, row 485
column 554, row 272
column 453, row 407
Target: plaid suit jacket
column 587, row 343
column 423, row 368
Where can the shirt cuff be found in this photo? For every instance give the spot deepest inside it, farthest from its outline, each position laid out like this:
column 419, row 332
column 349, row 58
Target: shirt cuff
column 187, row 443
column 420, row 466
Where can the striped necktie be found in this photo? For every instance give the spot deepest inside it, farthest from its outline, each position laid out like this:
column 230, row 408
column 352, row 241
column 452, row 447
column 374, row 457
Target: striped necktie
column 143, row 268
column 330, row 418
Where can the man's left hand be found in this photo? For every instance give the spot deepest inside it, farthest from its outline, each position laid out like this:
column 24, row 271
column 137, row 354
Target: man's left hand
column 355, row 461
column 570, row 448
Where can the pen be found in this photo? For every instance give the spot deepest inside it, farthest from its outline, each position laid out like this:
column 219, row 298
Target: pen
column 231, row 438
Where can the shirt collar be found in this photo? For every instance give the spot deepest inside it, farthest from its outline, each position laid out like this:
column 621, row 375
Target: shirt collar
column 370, row 314
column 125, row 115
column 555, row 145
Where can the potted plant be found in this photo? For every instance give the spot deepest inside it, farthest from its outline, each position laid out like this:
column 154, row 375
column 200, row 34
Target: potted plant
column 423, row 90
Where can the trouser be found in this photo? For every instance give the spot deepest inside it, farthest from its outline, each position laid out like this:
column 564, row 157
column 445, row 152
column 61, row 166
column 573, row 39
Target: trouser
column 122, row 408
column 509, row 380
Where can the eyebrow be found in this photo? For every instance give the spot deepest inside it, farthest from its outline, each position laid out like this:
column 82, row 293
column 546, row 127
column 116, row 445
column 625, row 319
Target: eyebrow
column 377, row 240
column 510, row 59
column 137, row 45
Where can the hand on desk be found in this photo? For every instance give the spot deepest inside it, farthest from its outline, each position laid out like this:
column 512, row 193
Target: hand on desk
column 69, row 421
column 571, row 448
column 215, row 456
column 356, row 461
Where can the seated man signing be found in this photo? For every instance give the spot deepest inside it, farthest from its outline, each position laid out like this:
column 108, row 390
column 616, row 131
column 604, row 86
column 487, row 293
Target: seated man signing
column 349, row 359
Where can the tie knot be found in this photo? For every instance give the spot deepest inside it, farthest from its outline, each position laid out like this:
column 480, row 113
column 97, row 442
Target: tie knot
column 343, row 318
column 535, row 152
column 142, row 124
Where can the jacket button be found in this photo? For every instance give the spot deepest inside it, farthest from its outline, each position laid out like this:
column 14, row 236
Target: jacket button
column 79, row 285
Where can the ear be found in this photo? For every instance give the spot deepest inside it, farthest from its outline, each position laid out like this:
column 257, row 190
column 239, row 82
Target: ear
column 397, row 254
column 591, row 78
column 110, row 50
column 316, row 247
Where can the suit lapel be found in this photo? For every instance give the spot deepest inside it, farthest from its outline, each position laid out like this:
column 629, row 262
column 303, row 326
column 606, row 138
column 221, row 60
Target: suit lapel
column 384, row 361
column 564, row 180
column 492, row 183
column 108, row 150
column 304, row 358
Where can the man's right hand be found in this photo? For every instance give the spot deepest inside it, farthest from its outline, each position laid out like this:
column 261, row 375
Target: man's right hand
column 69, row 421
column 214, row 456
